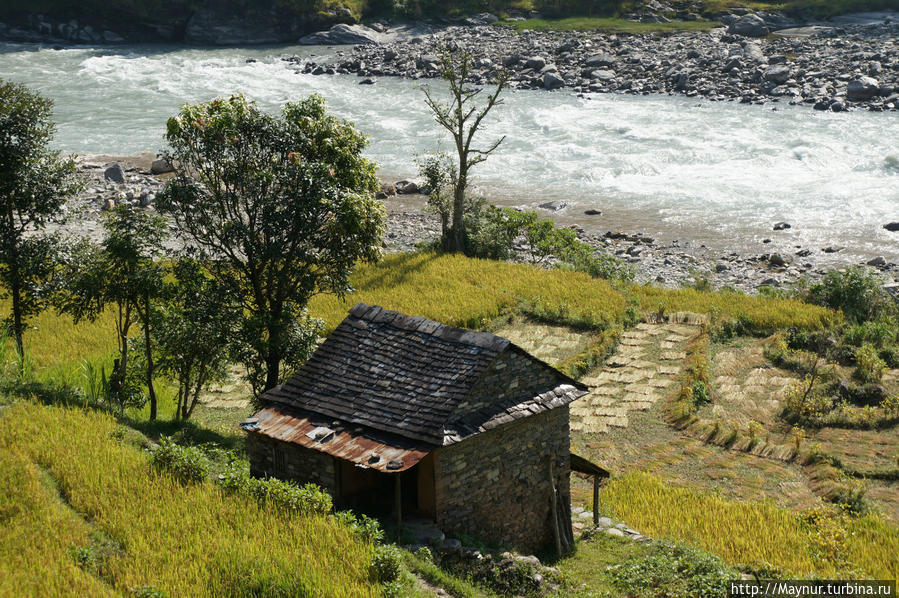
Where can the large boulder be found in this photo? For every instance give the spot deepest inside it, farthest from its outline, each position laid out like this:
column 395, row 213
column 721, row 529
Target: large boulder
column 600, row 60
column 535, row 62
column 749, row 25
column 161, row 167
column 863, row 88
column 553, row 81
column 115, row 173
column 779, row 73
column 342, row 34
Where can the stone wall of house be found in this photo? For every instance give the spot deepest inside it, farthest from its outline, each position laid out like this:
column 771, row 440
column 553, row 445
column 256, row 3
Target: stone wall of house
column 510, row 376
column 270, row 457
column 495, row 485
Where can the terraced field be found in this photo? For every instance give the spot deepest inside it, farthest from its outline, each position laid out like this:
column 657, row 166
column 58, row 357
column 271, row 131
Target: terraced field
column 620, row 424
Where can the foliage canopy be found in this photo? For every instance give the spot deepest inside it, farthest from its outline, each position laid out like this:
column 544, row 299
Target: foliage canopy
column 281, row 208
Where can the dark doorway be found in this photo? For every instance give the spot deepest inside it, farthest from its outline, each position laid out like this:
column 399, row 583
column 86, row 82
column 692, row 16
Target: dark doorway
column 373, row 492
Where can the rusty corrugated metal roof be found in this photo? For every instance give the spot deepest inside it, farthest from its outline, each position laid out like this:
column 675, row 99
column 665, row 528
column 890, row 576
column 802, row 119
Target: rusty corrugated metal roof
column 350, row 442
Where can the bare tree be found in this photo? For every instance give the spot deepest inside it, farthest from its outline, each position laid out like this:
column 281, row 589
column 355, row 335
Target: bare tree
column 462, row 117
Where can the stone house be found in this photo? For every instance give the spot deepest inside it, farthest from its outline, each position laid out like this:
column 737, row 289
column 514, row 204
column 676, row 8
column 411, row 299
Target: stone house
column 395, row 413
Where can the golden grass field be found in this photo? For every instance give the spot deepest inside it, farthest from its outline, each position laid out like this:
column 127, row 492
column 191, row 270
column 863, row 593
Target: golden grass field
column 64, row 470
column 66, row 481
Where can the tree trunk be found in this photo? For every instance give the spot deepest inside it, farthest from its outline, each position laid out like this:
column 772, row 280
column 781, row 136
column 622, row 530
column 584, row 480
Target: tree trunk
column 15, row 284
column 151, row 390
column 458, row 242
column 272, row 364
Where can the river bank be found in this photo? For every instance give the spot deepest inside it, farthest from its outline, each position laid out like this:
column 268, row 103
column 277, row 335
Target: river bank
column 673, row 263
column 836, row 67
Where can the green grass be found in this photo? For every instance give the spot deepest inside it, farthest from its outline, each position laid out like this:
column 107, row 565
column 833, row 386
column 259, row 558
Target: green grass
column 611, row 24
column 193, row 540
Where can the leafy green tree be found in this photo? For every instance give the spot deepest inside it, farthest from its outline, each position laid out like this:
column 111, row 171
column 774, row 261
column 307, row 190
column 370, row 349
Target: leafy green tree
column 123, row 272
column 34, row 184
column 281, row 208
column 462, row 117
column 192, row 332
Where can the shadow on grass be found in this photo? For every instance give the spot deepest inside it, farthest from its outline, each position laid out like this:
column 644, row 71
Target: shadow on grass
column 65, row 395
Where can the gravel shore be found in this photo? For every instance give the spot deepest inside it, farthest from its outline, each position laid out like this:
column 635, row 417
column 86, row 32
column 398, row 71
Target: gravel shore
column 840, row 67
column 673, row 263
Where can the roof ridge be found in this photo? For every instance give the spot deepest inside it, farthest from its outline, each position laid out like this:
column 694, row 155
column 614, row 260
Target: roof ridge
column 474, row 338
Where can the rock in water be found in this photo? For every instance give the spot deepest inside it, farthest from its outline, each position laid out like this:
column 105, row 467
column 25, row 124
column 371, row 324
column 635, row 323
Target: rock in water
column 781, row 225
column 749, row 25
column 342, row 34
column 115, row 173
column 863, row 88
column 553, row 206
column 553, row 81
column 893, row 227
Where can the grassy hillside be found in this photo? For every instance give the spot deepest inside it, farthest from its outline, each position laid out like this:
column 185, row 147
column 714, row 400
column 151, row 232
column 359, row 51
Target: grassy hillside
column 118, row 527
column 82, row 513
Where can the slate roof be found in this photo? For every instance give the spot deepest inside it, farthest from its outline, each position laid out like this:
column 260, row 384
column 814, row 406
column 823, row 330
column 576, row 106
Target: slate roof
column 405, row 375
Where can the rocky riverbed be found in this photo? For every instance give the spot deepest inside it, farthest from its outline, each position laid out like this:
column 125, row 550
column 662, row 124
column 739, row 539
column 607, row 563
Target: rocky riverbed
column 136, row 180
column 829, row 67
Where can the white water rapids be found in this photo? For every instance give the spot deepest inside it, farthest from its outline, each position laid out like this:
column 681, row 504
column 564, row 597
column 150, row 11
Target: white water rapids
column 717, row 173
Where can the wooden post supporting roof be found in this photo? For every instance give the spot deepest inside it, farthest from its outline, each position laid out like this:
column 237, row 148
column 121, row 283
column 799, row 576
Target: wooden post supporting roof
column 398, row 500
column 581, row 465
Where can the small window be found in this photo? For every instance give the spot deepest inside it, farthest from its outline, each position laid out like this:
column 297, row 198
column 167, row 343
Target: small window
column 279, row 460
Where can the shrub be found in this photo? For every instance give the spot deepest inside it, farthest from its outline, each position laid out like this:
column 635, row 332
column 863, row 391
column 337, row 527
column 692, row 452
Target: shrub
column 700, row 394
column 581, row 257
column 368, row 529
column 673, row 570
column 308, row 499
column 492, row 230
column 857, row 291
column 869, row 365
column 386, row 564
column 186, row 463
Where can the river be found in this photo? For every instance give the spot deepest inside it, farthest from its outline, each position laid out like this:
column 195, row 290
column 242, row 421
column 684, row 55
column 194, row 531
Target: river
column 670, row 166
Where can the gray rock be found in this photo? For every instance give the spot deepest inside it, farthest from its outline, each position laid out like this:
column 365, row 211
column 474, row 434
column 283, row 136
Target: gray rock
column 893, row 227
column 602, row 75
column 553, row 206
column 553, row 81
column 863, row 88
column 535, row 62
column 161, row 167
column 593, row 212
column 403, row 187
column 605, row 522
column 109, row 204
column 779, row 73
column 878, row 261
column 600, row 60
column 749, row 26
column 776, row 259
column 615, row 532
column 781, row 225
column 115, row 173
column 342, row 34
